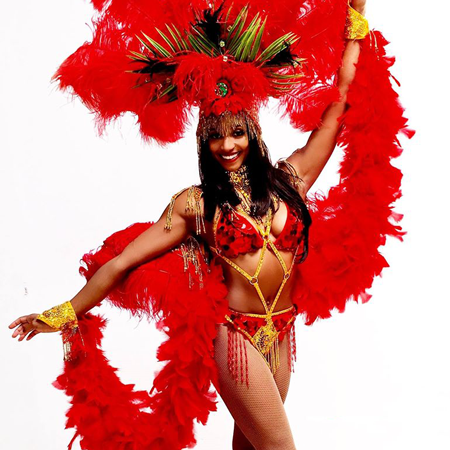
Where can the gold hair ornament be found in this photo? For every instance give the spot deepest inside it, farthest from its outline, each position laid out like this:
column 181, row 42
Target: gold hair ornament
column 226, row 123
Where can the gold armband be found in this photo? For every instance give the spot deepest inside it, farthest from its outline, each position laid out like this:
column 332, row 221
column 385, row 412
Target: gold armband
column 64, row 319
column 357, row 26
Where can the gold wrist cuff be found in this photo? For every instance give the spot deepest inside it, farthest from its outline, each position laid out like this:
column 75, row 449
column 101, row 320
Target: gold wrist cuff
column 357, row 26
column 60, row 317
column 64, row 319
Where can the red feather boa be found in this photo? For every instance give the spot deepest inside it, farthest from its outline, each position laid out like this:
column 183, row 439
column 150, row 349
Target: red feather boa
column 349, row 226
column 107, row 413
column 353, row 220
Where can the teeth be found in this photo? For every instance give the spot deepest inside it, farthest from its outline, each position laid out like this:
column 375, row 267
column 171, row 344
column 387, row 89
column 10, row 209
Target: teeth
column 230, row 157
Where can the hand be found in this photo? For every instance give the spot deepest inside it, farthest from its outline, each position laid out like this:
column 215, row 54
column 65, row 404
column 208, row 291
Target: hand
column 359, row 5
column 29, row 325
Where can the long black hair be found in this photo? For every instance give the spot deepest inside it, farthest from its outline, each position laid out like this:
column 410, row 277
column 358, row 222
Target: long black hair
column 265, row 179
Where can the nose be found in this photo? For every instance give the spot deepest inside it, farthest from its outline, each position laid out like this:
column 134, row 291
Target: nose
column 228, row 143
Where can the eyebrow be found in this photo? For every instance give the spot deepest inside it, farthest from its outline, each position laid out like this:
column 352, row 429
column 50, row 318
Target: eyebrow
column 236, row 128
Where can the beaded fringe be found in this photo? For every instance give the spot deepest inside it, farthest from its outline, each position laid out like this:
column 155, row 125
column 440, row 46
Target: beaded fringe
column 226, row 123
column 193, row 206
column 292, row 343
column 238, row 359
column 273, row 357
column 191, row 253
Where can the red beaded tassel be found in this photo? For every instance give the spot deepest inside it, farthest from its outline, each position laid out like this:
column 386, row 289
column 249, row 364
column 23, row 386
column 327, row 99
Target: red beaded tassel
column 292, row 348
column 237, row 357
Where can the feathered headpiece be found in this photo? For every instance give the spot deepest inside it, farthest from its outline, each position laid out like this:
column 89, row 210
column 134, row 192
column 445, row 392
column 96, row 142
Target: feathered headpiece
column 158, row 60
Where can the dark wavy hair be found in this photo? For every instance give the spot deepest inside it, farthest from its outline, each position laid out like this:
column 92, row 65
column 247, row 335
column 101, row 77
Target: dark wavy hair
column 265, row 180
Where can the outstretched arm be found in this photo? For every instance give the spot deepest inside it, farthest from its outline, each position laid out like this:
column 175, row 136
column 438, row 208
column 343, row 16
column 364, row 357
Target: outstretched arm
column 310, row 160
column 150, row 244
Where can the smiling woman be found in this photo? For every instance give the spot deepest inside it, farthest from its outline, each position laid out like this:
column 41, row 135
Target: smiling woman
column 221, row 269
column 230, row 150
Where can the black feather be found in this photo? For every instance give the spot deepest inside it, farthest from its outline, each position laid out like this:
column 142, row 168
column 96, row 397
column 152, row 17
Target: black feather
column 283, row 58
column 152, row 66
column 210, row 24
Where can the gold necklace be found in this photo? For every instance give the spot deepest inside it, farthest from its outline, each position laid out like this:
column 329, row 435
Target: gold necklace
column 241, row 184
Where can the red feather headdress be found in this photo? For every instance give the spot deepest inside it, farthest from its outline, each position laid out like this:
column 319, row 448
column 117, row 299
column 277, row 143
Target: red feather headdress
column 160, row 59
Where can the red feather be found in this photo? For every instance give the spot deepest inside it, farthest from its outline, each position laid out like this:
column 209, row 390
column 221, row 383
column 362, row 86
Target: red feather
column 352, row 222
column 99, row 72
column 107, row 413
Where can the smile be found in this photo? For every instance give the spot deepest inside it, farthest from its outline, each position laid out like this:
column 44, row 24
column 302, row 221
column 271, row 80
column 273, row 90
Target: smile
column 231, row 157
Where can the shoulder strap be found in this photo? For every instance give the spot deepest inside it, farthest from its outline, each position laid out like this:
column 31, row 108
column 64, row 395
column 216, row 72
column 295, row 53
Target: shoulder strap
column 193, row 206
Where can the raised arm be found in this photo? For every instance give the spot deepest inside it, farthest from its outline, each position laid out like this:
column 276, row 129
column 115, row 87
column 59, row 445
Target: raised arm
column 150, row 244
column 310, row 160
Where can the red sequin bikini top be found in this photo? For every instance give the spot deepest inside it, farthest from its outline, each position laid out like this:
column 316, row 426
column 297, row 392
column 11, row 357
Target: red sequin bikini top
column 235, row 235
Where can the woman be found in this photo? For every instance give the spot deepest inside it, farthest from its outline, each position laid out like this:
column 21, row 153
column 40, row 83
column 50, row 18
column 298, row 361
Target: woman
column 251, row 219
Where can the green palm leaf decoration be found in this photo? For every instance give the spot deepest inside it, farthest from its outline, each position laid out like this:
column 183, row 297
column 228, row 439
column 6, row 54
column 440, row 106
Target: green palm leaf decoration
column 240, row 42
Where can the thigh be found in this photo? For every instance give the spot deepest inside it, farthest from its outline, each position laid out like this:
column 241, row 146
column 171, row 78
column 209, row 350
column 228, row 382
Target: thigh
column 283, row 374
column 258, row 408
column 282, row 379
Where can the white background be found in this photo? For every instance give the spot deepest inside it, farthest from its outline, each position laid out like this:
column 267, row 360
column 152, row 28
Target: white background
column 375, row 377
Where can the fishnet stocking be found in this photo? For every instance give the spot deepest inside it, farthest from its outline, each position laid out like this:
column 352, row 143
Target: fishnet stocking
column 260, row 419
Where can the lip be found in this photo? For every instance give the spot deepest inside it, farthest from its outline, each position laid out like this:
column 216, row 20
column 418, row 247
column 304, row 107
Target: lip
column 230, row 158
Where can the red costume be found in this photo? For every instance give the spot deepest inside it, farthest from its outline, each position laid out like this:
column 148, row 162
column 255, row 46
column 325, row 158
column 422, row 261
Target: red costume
column 235, row 235
column 187, row 298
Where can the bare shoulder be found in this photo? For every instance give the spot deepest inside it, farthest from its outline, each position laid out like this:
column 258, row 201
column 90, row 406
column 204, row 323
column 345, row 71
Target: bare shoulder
column 296, row 181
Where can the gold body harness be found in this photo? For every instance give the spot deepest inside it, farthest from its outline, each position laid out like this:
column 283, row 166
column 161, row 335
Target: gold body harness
column 265, row 340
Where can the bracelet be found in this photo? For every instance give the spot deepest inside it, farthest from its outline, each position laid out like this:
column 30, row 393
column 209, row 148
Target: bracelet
column 64, row 319
column 60, row 317
column 357, row 26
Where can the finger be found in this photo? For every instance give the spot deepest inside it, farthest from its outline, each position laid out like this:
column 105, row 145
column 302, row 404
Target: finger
column 32, row 334
column 23, row 335
column 22, row 330
column 17, row 331
column 18, row 321
column 23, row 327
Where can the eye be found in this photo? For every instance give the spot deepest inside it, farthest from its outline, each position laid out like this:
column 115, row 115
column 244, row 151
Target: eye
column 239, row 132
column 215, row 136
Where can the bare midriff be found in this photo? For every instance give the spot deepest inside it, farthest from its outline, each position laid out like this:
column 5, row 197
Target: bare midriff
column 242, row 295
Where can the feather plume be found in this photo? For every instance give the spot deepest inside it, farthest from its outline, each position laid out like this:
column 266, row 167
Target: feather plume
column 137, row 48
column 354, row 219
column 210, row 24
